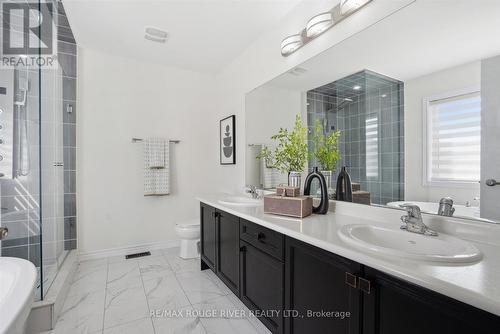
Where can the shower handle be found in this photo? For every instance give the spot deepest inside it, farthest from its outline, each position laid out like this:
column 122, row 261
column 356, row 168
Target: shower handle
column 492, row 182
column 4, row 231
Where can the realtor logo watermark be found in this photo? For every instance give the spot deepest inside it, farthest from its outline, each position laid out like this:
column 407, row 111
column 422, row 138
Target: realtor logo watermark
column 28, row 35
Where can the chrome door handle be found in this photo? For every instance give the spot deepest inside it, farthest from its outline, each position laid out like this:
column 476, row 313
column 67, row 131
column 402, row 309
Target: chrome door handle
column 492, row 182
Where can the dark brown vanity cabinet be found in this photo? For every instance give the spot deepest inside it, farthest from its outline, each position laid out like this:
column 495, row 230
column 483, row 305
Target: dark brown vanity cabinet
column 322, row 288
column 220, row 248
column 228, row 250
column 262, row 273
column 296, row 288
column 394, row 306
column 208, row 231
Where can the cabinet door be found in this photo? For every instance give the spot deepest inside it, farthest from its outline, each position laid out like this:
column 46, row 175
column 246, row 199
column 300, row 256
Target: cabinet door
column 228, row 251
column 394, row 306
column 208, row 236
column 316, row 281
column 262, row 286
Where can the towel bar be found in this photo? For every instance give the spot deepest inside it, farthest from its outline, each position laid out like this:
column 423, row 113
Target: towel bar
column 136, row 140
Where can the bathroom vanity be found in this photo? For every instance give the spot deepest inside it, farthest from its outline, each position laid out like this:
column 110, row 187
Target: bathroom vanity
column 303, row 278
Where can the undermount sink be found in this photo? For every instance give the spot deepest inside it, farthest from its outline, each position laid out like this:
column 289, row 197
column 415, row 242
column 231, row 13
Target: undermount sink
column 17, row 285
column 240, row 201
column 441, row 248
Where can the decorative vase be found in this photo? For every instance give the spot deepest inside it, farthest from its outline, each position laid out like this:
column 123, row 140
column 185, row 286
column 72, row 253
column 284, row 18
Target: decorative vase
column 294, row 179
column 322, row 208
column 344, row 186
column 328, row 178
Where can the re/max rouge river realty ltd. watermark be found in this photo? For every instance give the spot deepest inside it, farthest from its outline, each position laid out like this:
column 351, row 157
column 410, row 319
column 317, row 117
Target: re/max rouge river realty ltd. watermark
column 245, row 313
column 28, row 35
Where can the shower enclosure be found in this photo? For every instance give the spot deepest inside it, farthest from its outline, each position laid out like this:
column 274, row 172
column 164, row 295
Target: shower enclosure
column 367, row 108
column 37, row 136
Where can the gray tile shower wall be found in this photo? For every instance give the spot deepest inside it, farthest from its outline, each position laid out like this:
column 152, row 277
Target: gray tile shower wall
column 67, row 54
column 368, row 110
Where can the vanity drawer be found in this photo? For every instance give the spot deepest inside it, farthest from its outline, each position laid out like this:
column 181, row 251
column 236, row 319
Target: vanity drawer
column 268, row 241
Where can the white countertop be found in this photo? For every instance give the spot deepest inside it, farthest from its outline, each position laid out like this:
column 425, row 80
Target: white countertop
column 477, row 284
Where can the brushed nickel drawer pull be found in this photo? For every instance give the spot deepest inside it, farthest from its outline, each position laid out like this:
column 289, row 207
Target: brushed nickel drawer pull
column 350, row 280
column 364, row 285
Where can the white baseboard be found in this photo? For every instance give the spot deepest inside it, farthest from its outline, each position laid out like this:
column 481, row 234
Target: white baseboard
column 138, row 248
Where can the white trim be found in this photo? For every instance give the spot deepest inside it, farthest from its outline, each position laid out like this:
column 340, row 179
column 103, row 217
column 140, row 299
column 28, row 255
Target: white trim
column 426, row 137
column 138, row 248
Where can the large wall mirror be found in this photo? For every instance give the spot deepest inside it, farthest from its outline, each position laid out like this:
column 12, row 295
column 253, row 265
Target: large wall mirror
column 415, row 100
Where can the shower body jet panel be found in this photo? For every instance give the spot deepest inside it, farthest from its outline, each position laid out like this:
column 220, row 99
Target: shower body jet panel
column 22, row 144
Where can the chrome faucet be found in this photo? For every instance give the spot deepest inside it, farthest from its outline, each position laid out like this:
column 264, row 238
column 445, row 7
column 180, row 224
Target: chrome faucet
column 412, row 222
column 446, row 207
column 4, row 231
column 253, row 191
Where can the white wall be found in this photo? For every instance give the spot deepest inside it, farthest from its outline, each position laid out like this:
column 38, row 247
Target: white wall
column 120, row 98
column 460, row 77
column 268, row 109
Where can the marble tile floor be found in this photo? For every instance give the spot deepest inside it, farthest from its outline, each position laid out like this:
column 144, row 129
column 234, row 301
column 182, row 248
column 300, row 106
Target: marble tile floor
column 157, row 294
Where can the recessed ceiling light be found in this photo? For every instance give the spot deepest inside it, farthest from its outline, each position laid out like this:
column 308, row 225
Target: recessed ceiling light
column 318, row 24
column 347, row 6
column 290, row 44
column 155, row 35
column 357, row 87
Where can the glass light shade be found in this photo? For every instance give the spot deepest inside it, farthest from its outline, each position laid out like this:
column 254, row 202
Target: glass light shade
column 290, row 44
column 318, row 24
column 347, row 6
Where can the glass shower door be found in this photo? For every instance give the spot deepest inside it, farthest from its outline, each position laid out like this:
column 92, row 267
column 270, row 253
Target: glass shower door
column 52, row 174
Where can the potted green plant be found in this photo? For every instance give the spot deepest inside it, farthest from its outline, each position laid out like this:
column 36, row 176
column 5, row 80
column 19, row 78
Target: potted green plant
column 326, row 152
column 290, row 153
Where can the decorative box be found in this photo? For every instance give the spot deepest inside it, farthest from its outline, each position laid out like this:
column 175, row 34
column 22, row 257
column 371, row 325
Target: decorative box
column 289, row 191
column 299, row 207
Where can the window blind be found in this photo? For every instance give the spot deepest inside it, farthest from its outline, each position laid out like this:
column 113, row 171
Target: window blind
column 454, row 147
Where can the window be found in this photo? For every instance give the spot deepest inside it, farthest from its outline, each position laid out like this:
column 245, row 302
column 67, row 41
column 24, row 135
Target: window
column 453, row 138
column 371, row 132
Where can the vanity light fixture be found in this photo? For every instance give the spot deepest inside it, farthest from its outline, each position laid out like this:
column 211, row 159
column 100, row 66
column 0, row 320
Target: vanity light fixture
column 290, row 44
column 320, row 23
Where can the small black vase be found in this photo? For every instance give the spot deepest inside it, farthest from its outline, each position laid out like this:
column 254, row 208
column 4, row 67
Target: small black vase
column 322, row 208
column 344, row 186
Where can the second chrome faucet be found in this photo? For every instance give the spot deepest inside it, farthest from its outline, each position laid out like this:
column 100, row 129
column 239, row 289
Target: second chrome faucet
column 412, row 221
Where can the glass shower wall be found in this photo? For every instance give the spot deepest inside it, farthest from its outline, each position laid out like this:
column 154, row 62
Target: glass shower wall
column 368, row 110
column 38, row 141
column 58, row 150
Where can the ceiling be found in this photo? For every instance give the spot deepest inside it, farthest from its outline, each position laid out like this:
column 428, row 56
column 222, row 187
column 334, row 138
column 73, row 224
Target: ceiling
column 204, row 35
column 425, row 37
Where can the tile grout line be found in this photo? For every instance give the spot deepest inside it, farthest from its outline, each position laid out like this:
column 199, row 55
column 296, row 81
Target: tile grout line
column 147, row 300
column 185, row 294
column 105, row 295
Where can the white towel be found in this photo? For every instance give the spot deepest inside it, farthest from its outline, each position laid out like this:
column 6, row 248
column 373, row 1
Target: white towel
column 271, row 177
column 156, row 167
column 155, row 152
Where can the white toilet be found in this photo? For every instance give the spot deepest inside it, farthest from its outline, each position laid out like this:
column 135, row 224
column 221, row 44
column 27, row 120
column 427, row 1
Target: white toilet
column 189, row 232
